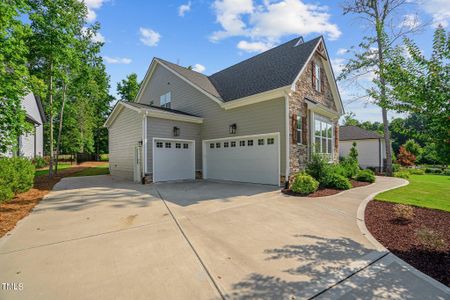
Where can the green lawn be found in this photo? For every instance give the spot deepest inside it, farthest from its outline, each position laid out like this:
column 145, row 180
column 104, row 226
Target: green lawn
column 92, row 171
column 61, row 166
column 430, row 191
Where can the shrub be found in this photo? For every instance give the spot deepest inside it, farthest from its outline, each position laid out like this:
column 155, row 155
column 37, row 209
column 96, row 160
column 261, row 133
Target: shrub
column 395, row 167
column 366, row 176
column 317, row 167
column 404, row 213
column 16, row 176
column 402, row 174
column 350, row 167
column 337, row 181
column 414, row 171
column 412, row 147
column 104, row 157
column 304, row 184
column 405, row 158
column 430, row 239
column 39, row 162
column 432, row 171
column 446, row 172
column 353, row 154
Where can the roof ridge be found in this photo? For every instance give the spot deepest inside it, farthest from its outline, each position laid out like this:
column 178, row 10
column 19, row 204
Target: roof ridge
column 193, row 71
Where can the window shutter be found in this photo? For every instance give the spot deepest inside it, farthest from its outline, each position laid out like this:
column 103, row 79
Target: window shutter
column 322, row 79
column 313, row 72
column 294, row 128
column 304, row 125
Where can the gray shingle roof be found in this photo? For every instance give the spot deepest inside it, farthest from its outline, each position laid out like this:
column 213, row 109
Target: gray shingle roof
column 272, row 69
column 175, row 111
column 347, row 133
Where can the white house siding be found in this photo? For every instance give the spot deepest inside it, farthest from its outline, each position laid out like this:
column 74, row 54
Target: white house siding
column 27, row 141
column 265, row 117
column 163, row 128
column 124, row 134
column 368, row 151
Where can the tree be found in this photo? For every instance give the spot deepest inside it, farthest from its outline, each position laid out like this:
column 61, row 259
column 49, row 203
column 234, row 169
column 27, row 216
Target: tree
column 128, row 87
column 350, row 120
column 412, row 147
column 353, row 154
column 421, row 86
column 371, row 57
column 14, row 75
column 405, row 158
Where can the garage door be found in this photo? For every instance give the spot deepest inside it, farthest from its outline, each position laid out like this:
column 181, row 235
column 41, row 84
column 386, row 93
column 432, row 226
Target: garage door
column 173, row 160
column 252, row 159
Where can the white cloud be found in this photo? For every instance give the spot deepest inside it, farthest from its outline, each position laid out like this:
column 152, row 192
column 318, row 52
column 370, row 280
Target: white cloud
column 199, row 68
column 92, row 5
column 117, row 60
column 98, row 37
column 269, row 22
column 410, row 21
column 184, row 8
column 149, row 37
column 338, row 65
column 254, row 46
column 342, row 51
column 439, row 10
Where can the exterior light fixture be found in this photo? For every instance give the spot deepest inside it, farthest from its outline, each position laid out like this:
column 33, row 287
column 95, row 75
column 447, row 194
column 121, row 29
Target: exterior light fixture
column 233, row 128
column 176, row 131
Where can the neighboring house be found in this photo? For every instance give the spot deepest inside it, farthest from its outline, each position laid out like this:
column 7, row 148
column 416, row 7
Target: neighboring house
column 370, row 145
column 32, row 144
column 255, row 121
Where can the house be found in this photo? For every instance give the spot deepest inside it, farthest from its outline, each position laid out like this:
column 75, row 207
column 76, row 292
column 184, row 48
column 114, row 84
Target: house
column 32, row 144
column 257, row 121
column 370, row 145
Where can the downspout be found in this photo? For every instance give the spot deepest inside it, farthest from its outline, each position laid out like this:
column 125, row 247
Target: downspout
column 34, row 142
column 379, row 155
column 287, row 159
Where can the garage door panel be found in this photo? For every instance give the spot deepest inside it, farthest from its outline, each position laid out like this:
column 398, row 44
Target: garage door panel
column 255, row 164
column 173, row 163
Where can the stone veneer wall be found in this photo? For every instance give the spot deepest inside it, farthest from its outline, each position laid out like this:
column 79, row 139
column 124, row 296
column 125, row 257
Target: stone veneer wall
column 299, row 153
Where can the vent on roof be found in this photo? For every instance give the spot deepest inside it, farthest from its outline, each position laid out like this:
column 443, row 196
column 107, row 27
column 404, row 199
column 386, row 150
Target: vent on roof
column 300, row 41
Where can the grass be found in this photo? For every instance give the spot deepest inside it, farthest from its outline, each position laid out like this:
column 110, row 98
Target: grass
column 92, row 171
column 61, row 166
column 428, row 191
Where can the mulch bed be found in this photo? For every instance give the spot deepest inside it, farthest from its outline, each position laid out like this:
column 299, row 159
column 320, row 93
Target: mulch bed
column 322, row 192
column 13, row 211
column 400, row 237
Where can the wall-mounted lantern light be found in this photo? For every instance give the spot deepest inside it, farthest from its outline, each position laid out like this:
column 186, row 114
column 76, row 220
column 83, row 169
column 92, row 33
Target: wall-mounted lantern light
column 176, row 131
column 233, row 128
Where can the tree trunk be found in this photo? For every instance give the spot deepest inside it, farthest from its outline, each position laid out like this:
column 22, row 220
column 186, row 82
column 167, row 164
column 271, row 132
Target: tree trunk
column 387, row 142
column 50, row 168
column 58, row 143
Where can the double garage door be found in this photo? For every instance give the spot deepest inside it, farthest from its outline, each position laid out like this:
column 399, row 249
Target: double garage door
column 253, row 159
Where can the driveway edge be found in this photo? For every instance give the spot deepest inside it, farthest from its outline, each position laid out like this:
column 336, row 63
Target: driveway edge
column 360, row 221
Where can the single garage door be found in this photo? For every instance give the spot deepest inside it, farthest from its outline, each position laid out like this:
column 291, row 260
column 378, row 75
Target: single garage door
column 252, row 159
column 173, row 159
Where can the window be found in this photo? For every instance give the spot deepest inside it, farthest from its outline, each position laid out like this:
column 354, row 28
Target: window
column 217, row 145
column 242, row 143
column 270, row 141
column 159, row 144
column 260, row 142
column 226, row 144
column 178, row 145
column 164, row 100
column 211, row 146
column 168, row 145
column 250, row 143
column 233, row 144
column 185, row 146
column 299, row 129
column 317, row 77
column 323, row 136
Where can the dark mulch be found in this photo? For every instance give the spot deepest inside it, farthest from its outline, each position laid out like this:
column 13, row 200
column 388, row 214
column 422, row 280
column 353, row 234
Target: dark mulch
column 322, row 192
column 400, row 237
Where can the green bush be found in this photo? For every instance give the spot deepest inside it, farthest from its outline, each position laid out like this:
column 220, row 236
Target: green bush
column 104, row 157
column 446, row 172
column 350, row 167
column 395, row 167
column 432, row 171
column 304, row 184
column 414, row 171
column 16, row 176
column 39, row 162
column 366, row 176
column 334, row 180
column 402, row 174
column 317, row 167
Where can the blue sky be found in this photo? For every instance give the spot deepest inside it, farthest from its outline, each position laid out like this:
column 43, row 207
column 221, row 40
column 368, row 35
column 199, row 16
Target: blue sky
column 212, row 35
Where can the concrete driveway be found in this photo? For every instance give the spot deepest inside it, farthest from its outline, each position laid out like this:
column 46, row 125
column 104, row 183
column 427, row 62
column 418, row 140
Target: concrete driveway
column 104, row 238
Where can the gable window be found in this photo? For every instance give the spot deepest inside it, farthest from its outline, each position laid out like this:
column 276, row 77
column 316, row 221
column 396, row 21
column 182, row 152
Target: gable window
column 323, row 136
column 164, row 100
column 299, row 129
column 317, row 78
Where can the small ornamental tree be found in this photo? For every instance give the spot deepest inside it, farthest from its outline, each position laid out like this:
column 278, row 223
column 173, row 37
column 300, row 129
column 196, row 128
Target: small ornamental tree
column 353, row 152
column 405, row 158
column 413, row 147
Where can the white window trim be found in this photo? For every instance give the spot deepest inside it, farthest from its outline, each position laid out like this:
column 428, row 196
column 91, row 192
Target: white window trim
column 165, row 100
column 299, row 130
column 328, row 121
column 317, row 75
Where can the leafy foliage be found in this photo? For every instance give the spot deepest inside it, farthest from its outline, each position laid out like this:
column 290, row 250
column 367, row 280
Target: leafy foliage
column 402, row 174
column 334, row 180
column 16, row 176
column 405, row 158
column 365, row 176
column 317, row 167
column 412, row 147
column 128, row 87
column 304, row 184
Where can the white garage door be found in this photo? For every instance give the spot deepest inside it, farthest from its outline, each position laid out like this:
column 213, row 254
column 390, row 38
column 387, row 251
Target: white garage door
column 252, row 159
column 173, row 160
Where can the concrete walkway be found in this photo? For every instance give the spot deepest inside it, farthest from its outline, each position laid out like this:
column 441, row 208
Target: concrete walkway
column 101, row 237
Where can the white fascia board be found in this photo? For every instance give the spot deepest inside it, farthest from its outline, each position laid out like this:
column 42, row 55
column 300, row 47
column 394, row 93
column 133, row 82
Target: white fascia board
column 257, row 98
column 171, row 116
column 321, row 109
column 305, row 65
column 145, row 81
